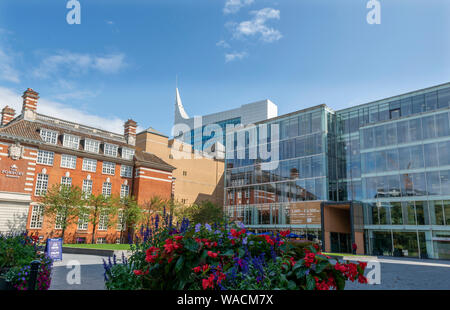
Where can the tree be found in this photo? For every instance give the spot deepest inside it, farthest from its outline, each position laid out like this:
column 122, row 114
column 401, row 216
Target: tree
column 151, row 208
column 100, row 210
column 205, row 212
column 130, row 214
column 63, row 203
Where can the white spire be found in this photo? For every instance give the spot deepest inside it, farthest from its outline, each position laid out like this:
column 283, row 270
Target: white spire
column 179, row 109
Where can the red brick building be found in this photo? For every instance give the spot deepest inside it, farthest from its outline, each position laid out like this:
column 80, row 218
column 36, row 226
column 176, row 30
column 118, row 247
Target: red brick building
column 38, row 151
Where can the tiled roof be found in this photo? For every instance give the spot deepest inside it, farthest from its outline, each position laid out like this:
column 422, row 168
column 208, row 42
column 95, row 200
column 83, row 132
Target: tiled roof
column 146, row 158
column 31, row 130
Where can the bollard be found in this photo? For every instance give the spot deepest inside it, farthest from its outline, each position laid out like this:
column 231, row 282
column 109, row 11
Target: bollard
column 33, row 275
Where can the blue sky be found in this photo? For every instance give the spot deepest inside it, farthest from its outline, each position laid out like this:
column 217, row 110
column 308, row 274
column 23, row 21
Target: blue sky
column 121, row 61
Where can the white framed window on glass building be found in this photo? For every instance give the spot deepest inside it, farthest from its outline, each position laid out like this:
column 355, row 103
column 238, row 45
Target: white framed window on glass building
column 109, row 168
column 41, row 184
column 126, row 171
column 87, row 187
column 110, row 149
column 124, row 191
column 91, row 145
column 45, row 157
column 103, row 221
column 127, row 153
column 89, row 164
column 83, row 221
column 37, row 217
column 66, row 181
column 106, row 189
column 71, row 141
column 68, row 161
column 49, row 136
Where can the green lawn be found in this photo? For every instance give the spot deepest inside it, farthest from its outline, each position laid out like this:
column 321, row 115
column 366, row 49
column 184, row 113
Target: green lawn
column 345, row 254
column 99, row 246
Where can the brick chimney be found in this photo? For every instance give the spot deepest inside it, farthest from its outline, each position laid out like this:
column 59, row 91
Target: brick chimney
column 30, row 98
column 7, row 115
column 130, row 131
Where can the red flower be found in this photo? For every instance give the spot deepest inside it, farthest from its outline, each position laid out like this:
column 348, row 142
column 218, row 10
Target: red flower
column 197, row 269
column 140, row 272
column 208, row 283
column 178, row 238
column 291, row 259
column 150, row 257
column 362, row 279
column 284, row 233
column 212, row 254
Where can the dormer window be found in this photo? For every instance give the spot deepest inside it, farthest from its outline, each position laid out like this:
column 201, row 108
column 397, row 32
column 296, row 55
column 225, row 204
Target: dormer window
column 111, row 150
column 71, row 141
column 91, row 145
column 127, row 153
column 49, row 136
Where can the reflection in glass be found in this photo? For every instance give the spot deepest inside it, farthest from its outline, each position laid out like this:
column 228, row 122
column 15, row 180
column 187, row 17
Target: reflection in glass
column 422, row 213
column 405, row 244
column 396, row 213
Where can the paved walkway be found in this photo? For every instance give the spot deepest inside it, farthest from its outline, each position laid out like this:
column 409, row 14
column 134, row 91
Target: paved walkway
column 91, row 273
column 396, row 274
column 409, row 274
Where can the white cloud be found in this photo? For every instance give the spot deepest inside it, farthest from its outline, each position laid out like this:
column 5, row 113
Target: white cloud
column 223, row 44
column 55, row 109
column 7, row 70
column 76, row 64
column 235, row 56
column 233, row 6
column 257, row 26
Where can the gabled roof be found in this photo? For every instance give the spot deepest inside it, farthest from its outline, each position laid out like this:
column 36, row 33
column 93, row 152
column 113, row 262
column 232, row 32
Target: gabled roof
column 30, row 130
column 154, row 131
column 150, row 160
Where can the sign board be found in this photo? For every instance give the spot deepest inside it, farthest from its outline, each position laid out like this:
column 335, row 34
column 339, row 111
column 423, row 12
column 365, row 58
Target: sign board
column 305, row 213
column 53, row 249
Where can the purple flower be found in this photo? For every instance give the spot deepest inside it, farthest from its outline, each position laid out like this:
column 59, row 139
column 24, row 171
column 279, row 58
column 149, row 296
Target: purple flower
column 208, row 227
column 241, row 225
column 244, row 241
column 197, row 227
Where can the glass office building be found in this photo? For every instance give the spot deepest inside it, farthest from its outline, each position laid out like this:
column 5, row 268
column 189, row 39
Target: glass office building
column 389, row 158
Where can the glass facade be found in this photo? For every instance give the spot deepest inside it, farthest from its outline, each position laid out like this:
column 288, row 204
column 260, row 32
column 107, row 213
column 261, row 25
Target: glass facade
column 199, row 138
column 395, row 159
column 392, row 155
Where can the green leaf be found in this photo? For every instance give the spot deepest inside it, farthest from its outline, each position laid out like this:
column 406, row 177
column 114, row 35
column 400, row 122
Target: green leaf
column 340, row 282
column 321, row 266
column 310, row 282
column 241, row 252
column 230, row 252
column 191, row 245
column 292, row 285
column 301, row 273
column 179, row 264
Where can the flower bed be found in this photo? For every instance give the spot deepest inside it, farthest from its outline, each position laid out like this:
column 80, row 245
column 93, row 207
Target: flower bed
column 16, row 254
column 228, row 258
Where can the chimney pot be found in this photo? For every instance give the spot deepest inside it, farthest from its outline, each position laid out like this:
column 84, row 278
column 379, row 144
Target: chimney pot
column 130, row 131
column 30, row 99
column 7, row 115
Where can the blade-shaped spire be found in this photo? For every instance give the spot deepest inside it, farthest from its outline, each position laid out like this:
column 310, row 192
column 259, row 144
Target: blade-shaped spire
column 179, row 109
